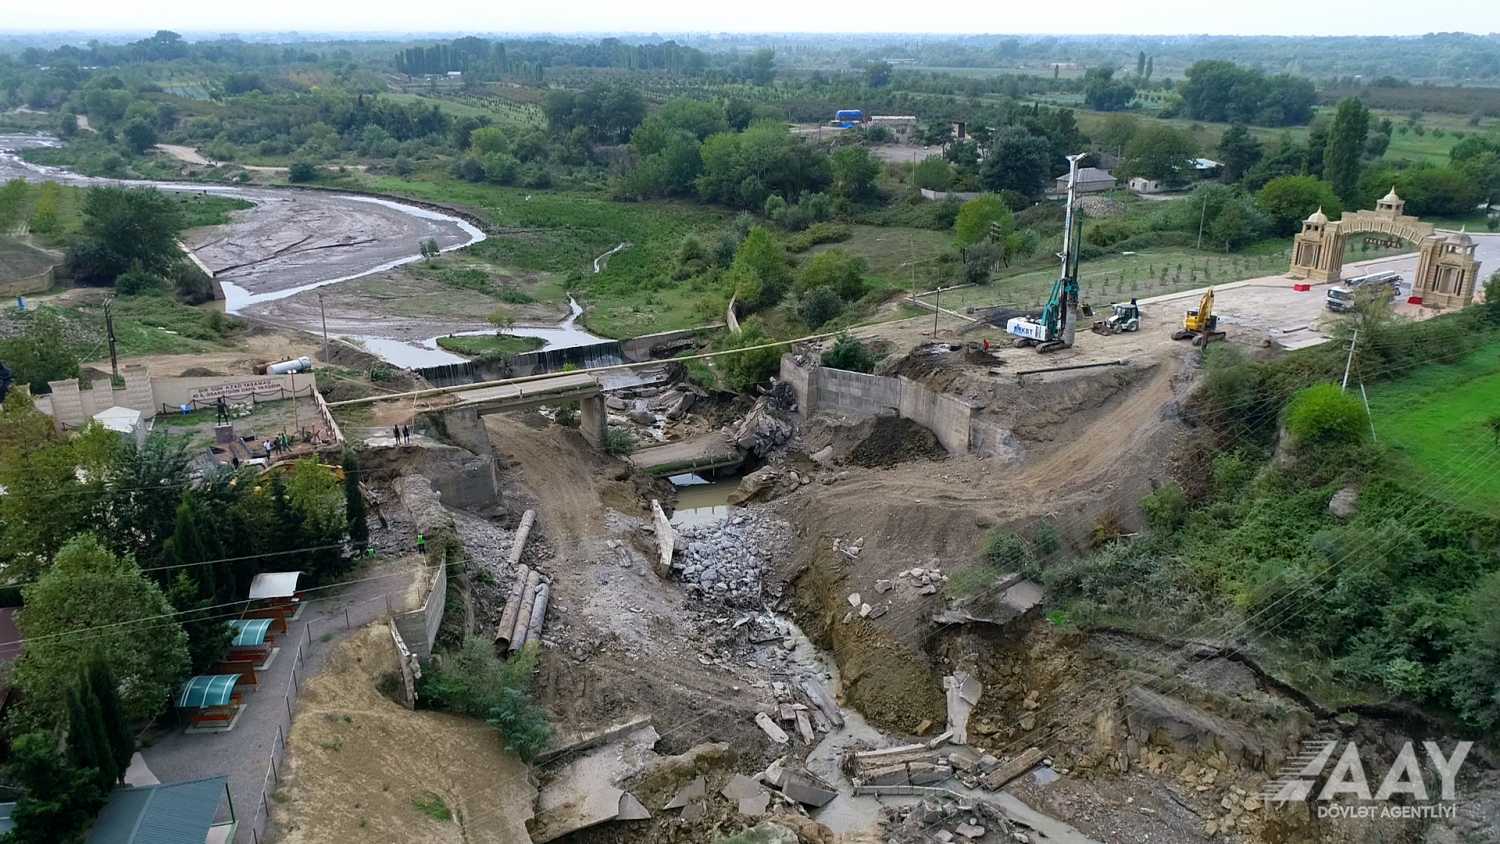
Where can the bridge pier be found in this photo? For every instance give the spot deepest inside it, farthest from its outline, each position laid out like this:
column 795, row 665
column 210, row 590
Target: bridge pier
column 461, row 426
column 592, row 420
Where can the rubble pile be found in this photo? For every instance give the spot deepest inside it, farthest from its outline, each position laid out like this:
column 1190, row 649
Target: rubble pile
column 954, row 820
column 725, row 561
column 768, row 425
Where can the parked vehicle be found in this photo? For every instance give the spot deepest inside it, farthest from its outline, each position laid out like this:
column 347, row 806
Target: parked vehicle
column 1352, row 291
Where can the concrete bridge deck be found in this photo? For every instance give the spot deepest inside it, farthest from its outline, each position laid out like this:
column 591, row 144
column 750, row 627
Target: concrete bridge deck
column 695, row 454
column 461, row 422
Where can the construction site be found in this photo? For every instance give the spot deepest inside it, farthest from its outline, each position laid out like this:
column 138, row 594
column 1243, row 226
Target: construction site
column 772, row 618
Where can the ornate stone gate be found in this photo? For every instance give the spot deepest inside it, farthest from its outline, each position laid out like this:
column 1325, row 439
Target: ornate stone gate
column 1446, row 267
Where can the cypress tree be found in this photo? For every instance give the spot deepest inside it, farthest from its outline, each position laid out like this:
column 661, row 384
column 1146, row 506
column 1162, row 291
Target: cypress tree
column 101, row 683
column 354, row 502
column 87, row 743
column 1346, row 141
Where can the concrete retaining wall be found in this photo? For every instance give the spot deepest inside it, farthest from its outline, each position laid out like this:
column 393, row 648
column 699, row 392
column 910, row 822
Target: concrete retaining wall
column 31, row 284
column 820, row 389
column 639, row 348
column 419, row 627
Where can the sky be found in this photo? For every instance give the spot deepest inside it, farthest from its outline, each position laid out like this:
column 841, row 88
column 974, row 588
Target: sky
column 1264, row 17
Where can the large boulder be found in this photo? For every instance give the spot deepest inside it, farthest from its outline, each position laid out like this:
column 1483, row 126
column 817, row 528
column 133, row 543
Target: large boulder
column 1164, row 721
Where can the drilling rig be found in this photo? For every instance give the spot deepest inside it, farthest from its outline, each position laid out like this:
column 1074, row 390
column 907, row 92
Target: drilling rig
column 1054, row 328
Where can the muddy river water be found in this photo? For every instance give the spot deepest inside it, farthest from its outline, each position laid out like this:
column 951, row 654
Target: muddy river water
column 295, row 241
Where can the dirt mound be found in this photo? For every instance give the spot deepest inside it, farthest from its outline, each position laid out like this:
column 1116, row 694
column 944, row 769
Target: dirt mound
column 895, row 440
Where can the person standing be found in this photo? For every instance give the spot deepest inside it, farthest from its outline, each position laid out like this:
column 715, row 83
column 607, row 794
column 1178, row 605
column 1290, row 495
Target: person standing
column 396, row 433
column 406, row 433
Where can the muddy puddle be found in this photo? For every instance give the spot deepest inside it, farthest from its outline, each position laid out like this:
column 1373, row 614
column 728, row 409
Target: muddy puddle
column 700, row 500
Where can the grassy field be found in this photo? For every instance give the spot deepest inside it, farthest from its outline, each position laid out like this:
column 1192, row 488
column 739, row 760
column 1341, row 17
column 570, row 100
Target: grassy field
column 1436, row 420
column 20, row 260
column 153, row 325
column 489, row 346
column 561, row 233
column 891, row 254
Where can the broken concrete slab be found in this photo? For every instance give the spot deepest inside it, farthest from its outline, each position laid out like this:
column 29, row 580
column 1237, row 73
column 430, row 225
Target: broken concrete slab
column 769, row 727
column 804, row 727
column 631, row 809
column 969, row 831
column 823, row 701
column 740, row 786
column 694, row 811
column 963, row 759
column 926, row 773
column 755, row 806
column 688, row 793
column 854, row 600
column 1012, row 768
column 584, row 790
column 807, row 789
column 962, row 691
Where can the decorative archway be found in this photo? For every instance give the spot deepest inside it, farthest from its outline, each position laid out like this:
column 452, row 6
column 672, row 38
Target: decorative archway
column 1446, row 267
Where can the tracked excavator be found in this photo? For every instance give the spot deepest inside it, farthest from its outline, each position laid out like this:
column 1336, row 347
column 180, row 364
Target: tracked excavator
column 1054, row 328
column 1200, row 324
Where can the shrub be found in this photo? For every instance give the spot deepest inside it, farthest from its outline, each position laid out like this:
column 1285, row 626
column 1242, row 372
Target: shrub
column 742, row 372
column 850, row 354
column 819, row 306
column 1007, row 550
column 1324, row 415
column 302, row 171
column 1166, row 508
column 137, row 281
column 617, row 441
column 473, row 681
column 816, row 234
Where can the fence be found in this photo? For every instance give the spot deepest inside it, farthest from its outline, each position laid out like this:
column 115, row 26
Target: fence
column 261, row 396
column 288, row 707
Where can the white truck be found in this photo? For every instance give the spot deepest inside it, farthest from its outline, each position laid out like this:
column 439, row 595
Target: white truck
column 1342, row 299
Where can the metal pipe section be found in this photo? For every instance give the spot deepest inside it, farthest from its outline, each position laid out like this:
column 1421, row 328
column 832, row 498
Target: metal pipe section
column 1021, row 372
column 523, row 532
column 512, row 608
column 538, row 614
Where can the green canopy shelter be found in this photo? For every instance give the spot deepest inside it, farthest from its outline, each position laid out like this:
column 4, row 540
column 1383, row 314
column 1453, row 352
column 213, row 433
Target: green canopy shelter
column 250, row 632
column 207, row 691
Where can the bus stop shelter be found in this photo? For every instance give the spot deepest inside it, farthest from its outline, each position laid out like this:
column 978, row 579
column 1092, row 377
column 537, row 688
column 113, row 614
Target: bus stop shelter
column 214, row 700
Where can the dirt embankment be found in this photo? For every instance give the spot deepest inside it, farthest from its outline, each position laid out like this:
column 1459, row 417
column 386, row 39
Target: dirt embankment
column 361, row 767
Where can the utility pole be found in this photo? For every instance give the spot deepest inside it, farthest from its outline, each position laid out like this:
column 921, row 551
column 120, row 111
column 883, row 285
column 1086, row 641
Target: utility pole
column 1202, row 215
column 1352, row 340
column 937, row 308
column 109, row 331
column 324, row 317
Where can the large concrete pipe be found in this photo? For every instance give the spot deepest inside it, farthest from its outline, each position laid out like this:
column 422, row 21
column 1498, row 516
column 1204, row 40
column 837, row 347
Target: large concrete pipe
column 512, row 607
column 538, row 614
column 523, row 532
column 523, row 618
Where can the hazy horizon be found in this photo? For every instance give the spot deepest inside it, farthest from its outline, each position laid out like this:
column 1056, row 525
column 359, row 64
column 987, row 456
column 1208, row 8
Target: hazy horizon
column 775, row 17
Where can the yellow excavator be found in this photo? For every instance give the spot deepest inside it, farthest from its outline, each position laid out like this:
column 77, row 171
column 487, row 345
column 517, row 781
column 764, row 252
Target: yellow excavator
column 1200, row 324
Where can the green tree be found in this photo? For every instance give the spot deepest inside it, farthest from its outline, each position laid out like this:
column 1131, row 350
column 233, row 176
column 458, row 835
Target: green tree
column 88, row 745
column 933, row 173
column 1019, row 160
column 124, row 229
column 762, row 257
column 1291, row 199
column 1103, row 92
column 1346, row 143
column 744, row 371
column 878, row 74
column 46, row 214
column 819, row 305
column 54, row 485
column 42, row 352
column 106, row 692
column 139, row 135
column 354, row 503
column 88, row 587
column 836, row 270
column 58, row 801
column 1239, row 151
column 1159, row 151
column 854, row 171
column 982, row 217
column 302, row 171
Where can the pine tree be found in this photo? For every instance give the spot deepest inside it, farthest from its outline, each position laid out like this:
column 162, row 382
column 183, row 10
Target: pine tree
column 1346, row 141
column 354, row 502
column 1150, row 65
column 102, row 685
column 88, row 745
column 1140, row 64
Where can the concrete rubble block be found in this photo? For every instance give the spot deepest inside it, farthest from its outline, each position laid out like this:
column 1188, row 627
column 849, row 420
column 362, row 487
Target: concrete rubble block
column 944, row 836
column 631, row 809
column 854, row 600
column 688, row 793
column 924, row 727
column 940, row 739
column 754, row 807
column 884, row 586
column 769, row 727
column 969, row 831
column 962, row 692
column 694, row 811
column 887, row 775
column 775, row 773
column 823, row 701
column 963, row 759
column 740, row 786
column 786, row 712
column 988, row 763
column 808, row 790
column 1012, row 768
column 926, row 773
column 804, row 727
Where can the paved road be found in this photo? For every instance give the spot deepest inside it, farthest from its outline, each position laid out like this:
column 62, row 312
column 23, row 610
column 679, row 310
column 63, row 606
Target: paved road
column 243, row 753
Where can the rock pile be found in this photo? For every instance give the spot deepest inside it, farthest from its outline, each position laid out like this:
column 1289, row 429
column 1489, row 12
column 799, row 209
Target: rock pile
column 725, row 561
column 949, row 820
